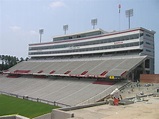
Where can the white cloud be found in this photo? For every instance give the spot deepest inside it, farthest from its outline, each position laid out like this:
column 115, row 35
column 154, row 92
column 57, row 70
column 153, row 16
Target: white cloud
column 15, row 28
column 57, row 4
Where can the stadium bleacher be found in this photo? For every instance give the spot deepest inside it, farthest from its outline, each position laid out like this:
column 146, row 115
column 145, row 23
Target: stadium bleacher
column 103, row 67
column 75, row 70
column 67, row 91
column 70, row 89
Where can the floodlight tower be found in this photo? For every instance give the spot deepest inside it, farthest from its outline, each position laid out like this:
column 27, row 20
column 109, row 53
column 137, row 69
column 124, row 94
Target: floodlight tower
column 94, row 22
column 65, row 28
column 41, row 31
column 129, row 13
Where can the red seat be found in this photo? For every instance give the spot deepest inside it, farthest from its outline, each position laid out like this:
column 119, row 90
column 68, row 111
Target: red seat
column 123, row 73
column 40, row 71
column 103, row 73
column 67, row 72
column 52, row 72
column 21, row 71
column 83, row 73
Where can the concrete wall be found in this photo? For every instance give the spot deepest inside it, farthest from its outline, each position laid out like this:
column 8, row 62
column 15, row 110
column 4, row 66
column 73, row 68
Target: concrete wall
column 149, row 78
column 10, row 117
column 65, row 113
column 59, row 114
column 13, row 117
column 45, row 116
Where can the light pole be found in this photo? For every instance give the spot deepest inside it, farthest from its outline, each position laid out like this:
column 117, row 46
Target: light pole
column 129, row 13
column 94, row 22
column 65, row 28
column 41, row 31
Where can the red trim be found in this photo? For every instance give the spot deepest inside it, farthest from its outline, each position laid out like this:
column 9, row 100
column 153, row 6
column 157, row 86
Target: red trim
column 83, row 73
column 85, row 38
column 67, row 72
column 21, row 71
column 52, row 72
column 124, row 73
column 103, row 74
column 40, row 71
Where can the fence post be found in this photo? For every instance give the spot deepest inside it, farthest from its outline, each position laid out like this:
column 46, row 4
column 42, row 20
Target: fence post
column 54, row 103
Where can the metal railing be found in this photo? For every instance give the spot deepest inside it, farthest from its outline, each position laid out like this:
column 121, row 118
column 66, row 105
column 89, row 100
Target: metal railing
column 36, row 99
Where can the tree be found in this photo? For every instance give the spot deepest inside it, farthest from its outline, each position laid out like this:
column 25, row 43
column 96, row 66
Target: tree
column 8, row 61
column 21, row 59
column 26, row 59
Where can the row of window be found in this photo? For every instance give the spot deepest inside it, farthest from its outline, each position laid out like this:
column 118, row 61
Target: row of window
column 148, row 35
column 148, row 43
column 77, row 36
column 123, row 38
column 89, row 49
column 148, row 50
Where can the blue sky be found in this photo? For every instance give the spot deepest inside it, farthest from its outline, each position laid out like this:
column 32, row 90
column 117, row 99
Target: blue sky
column 20, row 20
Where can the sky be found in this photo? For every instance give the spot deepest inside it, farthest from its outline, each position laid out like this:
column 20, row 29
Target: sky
column 20, row 20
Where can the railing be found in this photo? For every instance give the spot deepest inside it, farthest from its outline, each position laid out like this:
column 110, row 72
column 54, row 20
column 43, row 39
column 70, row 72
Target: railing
column 36, row 99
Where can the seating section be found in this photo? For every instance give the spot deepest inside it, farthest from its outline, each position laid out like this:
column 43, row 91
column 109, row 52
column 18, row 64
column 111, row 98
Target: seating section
column 102, row 67
column 70, row 91
column 104, row 73
column 64, row 90
column 52, row 72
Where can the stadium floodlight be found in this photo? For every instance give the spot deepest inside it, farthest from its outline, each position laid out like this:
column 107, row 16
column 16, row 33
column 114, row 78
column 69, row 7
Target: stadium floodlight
column 129, row 13
column 94, row 22
column 65, row 28
column 41, row 31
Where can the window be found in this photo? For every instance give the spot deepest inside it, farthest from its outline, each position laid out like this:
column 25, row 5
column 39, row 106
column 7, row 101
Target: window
column 147, row 63
column 70, row 37
column 148, row 43
column 148, row 35
column 141, row 34
column 148, row 50
column 78, row 36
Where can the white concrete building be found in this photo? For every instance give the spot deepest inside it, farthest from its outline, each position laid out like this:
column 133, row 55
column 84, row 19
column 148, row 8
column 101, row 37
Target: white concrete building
column 99, row 43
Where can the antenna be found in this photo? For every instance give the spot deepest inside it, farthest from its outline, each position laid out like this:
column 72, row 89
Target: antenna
column 94, row 22
column 41, row 31
column 119, row 15
column 129, row 13
column 65, row 28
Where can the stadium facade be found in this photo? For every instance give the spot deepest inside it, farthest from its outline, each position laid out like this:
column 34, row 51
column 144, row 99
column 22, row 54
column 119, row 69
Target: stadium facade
column 98, row 43
column 92, row 54
column 54, row 68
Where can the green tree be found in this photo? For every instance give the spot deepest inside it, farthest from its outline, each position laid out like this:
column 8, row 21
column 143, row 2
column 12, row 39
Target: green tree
column 8, row 61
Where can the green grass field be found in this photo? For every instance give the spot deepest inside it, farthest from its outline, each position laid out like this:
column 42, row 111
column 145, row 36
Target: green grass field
column 11, row 105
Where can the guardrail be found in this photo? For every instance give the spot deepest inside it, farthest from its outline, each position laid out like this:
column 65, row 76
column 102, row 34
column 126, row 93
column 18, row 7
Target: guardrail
column 36, row 99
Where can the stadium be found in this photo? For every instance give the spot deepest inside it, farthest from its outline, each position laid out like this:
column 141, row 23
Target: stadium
column 81, row 68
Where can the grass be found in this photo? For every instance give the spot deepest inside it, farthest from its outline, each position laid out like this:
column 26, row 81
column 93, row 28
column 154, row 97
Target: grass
column 12, row 105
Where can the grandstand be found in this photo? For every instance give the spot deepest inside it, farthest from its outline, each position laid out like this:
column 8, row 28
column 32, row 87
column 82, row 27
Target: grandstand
column 92, row 54
column 70, row 69
column 66, row 91
column 90, row 68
